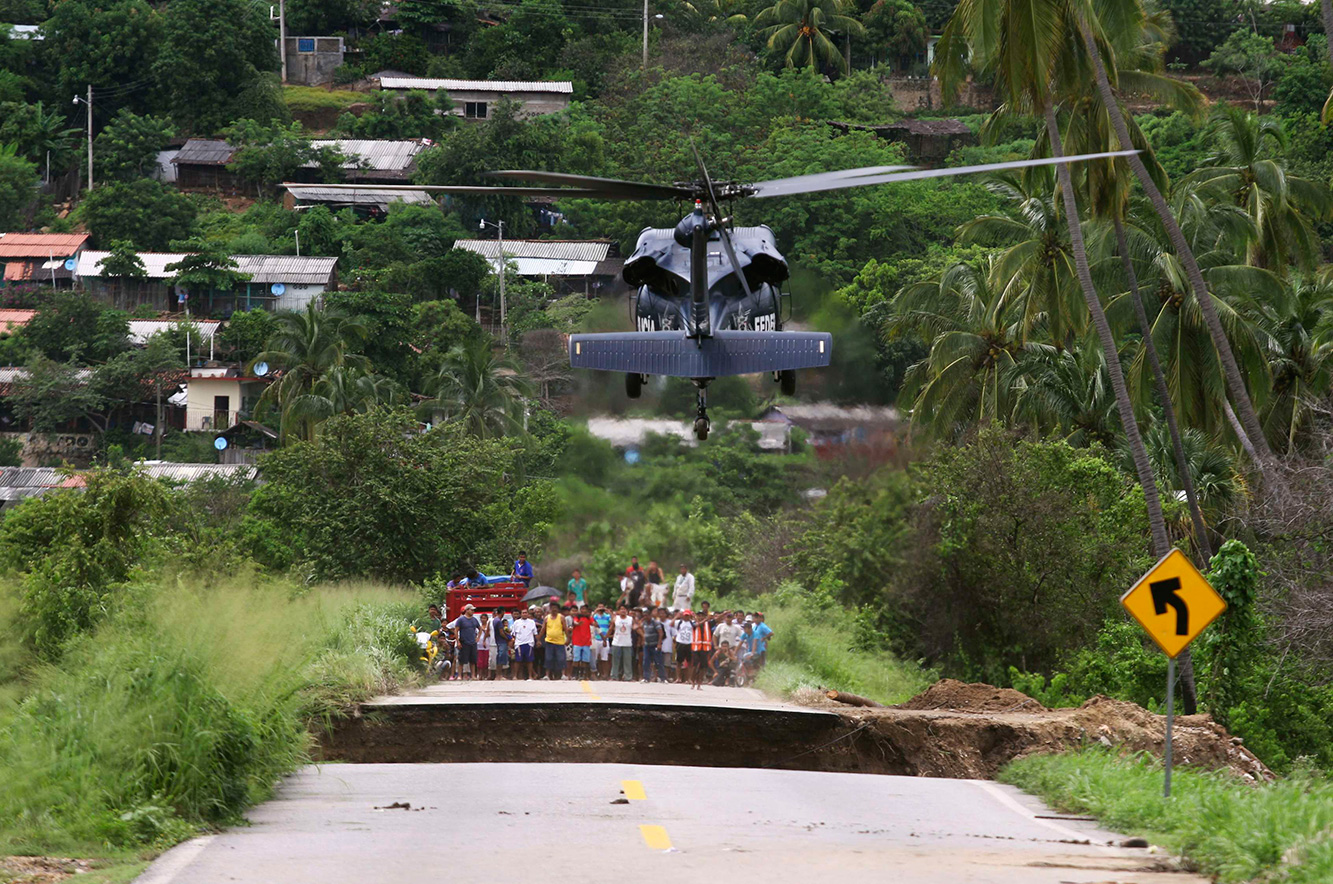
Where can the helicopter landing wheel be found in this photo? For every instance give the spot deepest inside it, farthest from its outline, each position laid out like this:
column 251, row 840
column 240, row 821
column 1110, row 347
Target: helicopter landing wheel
column 787, row 382
column 634, row 385
column 701, row 423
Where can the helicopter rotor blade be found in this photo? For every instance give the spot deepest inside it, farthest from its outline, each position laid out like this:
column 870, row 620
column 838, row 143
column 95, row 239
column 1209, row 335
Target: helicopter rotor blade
column 614, row 187
column 721, row 227
column 788, row 186
column 839, row 175
column 476, row 190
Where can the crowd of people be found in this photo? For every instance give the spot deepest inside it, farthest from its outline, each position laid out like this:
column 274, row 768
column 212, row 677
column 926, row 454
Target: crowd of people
column 636, row 638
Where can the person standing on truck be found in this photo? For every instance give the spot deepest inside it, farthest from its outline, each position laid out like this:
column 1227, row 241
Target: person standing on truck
column 522, row 570
column 684, row 594
column 467, row 627
column 553, row 636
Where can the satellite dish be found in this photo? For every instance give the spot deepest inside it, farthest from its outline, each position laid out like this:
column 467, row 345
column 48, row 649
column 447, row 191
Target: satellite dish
column 261, row 369
column 220, row 443
column 278, row 288
column 71, row 263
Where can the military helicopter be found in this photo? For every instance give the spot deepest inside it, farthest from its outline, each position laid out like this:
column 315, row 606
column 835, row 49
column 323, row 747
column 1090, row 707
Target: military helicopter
column 708, row 301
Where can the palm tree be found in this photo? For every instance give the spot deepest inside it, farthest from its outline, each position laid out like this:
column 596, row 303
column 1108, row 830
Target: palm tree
column 1071, row 392
column 711, row 12
column 977, row 337
column 1025, row 47
column 1283, row 207
column 1176, row 329
column 1297, row 325
column 476, row 387
column 1035, row 266
column 1094, row 37
column 801, row 29
column 343, row 390
column 304, row 347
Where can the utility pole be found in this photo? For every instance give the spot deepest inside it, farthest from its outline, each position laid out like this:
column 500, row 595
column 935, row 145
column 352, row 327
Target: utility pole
column 499, row 226
column 157, row 426
column 645, row 35
column 88, row 103
column 282, row 36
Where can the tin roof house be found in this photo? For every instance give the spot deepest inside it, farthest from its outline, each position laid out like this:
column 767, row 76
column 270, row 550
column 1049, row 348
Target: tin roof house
column 201, row 164
column 40, row 258
column 275, row 282
column 585, row 266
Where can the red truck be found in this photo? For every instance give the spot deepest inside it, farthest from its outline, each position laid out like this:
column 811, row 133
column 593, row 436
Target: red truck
column 506, row 596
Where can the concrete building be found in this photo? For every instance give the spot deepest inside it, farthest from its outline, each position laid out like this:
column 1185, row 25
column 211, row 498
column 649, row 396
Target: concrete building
column 39, row 258
column 475, row 99
column 569, row 265
column 926, row 140
column 218, row 398
column 276, row 282
column 311, row 61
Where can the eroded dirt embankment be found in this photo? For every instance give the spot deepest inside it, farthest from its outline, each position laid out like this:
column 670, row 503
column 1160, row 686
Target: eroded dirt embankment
column 950, row 730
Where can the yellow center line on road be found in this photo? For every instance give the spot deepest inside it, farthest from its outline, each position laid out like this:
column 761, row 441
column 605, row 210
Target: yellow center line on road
column 633, row 790
column 655, row 837
column 587, row 689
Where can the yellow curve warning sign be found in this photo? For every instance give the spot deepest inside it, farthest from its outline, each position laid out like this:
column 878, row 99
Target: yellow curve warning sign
column 1173, row 602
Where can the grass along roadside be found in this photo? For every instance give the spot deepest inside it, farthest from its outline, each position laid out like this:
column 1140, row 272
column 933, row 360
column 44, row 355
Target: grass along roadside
column 1233, row 830
column 815, row 649
column 184, row 708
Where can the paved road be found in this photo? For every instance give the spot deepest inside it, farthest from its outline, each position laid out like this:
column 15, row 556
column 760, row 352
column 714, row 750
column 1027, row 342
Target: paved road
column 572, row 691
column 470, row 822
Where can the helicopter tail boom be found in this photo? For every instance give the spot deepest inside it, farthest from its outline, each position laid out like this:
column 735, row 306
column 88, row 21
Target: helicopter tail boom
column 672, row 354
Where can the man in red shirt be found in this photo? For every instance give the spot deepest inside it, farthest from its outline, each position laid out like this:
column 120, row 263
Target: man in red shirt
column 582, row 642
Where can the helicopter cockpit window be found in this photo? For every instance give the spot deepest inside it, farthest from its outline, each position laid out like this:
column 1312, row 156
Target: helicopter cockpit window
column 474, row 110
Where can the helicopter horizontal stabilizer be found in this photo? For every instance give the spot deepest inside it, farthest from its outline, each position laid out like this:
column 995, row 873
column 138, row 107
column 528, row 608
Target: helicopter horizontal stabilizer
column 672, row 354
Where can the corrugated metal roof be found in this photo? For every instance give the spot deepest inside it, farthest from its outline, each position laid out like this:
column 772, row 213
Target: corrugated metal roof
column 261, row 268
column 367, row 154
column 287, row 269
column 143, row 329
column 506, row 86
column 40, row 245
column 204, row 152
column 550, row 249
column 18, row 483
column 362, row 196
column 154, row 263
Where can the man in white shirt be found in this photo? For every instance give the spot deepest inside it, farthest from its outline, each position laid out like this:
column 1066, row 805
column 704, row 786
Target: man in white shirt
column 525, row 638
column 730, row 632
column 684, row 595
column 622, row 645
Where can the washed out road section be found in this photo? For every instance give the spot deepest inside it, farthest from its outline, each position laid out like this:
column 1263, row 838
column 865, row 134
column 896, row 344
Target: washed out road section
column 339, row 823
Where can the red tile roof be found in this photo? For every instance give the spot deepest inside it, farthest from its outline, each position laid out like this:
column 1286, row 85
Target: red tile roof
column 40, row 245
column 14, row 319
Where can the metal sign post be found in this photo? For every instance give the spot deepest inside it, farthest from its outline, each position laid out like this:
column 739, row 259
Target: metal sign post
column 1173, row 603
column 1170, row 718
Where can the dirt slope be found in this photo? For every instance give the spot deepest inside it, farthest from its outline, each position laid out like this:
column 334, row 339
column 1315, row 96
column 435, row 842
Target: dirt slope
column 953, row 729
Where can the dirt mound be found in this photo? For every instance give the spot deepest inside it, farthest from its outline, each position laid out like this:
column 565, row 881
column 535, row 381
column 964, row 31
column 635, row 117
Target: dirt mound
column 972, row 730
column 957, row 696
